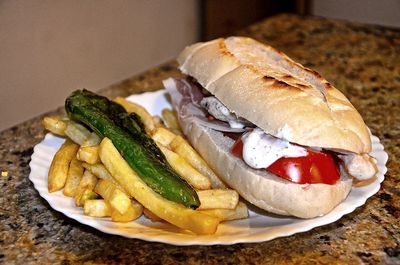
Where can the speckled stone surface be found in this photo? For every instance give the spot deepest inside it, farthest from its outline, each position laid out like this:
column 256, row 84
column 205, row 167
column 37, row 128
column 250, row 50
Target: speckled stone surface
column 362, row 61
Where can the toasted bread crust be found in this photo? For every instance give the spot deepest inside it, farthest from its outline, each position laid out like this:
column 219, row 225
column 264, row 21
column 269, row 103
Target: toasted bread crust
column 277, row 94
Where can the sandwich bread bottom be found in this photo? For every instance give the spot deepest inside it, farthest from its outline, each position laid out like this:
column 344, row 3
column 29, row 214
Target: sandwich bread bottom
column 261, row 188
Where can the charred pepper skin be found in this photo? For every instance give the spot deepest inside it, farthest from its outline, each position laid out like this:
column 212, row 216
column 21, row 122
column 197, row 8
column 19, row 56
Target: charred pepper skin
column 131, row 122
column 109, row 119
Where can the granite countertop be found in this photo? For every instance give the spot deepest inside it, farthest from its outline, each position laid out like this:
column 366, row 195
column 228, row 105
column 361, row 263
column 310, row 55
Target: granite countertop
column 362, row 61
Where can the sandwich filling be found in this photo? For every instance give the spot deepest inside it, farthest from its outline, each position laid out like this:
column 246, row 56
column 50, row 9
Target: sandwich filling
column 259, row 150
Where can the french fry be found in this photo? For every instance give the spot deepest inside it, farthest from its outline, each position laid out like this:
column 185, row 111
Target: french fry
column 77, row 167
column 172, row 212
column 147, row 119
column 101, row 172
column 171, row 120
column 97, row 208
column 149, row 215
column 89, row 154
column 82, row 195
column 158, row 122
column 218, row 199
column 88, row 180
column 134, row 211
column 114, row 196
column 86, row 185
column 59, row 166
column 92, row 140
column 98, row 170
column 55, row 124
column 184, row 149
column 185, row 170
column 163, row 136
column 74, row 176
column 240, row 212
column 77, row 132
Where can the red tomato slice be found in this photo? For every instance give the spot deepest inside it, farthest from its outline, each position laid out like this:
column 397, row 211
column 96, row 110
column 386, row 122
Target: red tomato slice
column 237, row 148
column 315, row 167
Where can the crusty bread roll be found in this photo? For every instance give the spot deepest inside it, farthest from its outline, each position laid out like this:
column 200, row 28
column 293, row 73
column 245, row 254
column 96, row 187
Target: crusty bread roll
column 260, row 187
column 286, row 100
column 259, row 84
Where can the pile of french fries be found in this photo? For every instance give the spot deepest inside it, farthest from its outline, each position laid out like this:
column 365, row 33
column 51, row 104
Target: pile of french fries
column 92, row 171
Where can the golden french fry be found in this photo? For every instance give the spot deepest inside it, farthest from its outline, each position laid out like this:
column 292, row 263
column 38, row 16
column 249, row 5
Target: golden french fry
column 134, row 211
column 185, row 170
column 87, row 184
column 59, row 166
column 89, row 154
column 97, row 208
column 98, row 170
column 149, row 215
column 55, row 124
column 101, row 172
column 158, row 122
column 74, row 176
column 92, row 140
column 77, row 132
column 163, row 136
column 171, row 120
column 114, row 196
column 147, row 119
column 172, row 212
column 88, row 180
column 184, row 149
column 240, row 212
column 82, row 195
column 218, row 199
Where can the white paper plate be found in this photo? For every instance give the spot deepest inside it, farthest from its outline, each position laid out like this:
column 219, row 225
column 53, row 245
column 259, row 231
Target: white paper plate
column 258, row 227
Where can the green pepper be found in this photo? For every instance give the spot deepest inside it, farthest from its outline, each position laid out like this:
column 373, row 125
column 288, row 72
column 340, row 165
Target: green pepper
column 138, row 149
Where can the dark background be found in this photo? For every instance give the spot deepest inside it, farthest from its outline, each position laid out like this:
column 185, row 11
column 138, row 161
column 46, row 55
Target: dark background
column 224, row 17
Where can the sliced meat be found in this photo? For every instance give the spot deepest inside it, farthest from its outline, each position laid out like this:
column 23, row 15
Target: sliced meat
column 361, row 167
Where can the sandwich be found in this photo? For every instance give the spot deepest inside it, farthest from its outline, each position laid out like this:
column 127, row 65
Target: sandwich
column 277, row 132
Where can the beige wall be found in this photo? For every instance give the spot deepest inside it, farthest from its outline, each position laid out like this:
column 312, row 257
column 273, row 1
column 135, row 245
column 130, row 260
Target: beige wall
column 49, row 48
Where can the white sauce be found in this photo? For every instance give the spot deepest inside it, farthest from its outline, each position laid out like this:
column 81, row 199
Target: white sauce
column 260, row 150
column 221, row 112
column 235, row 124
